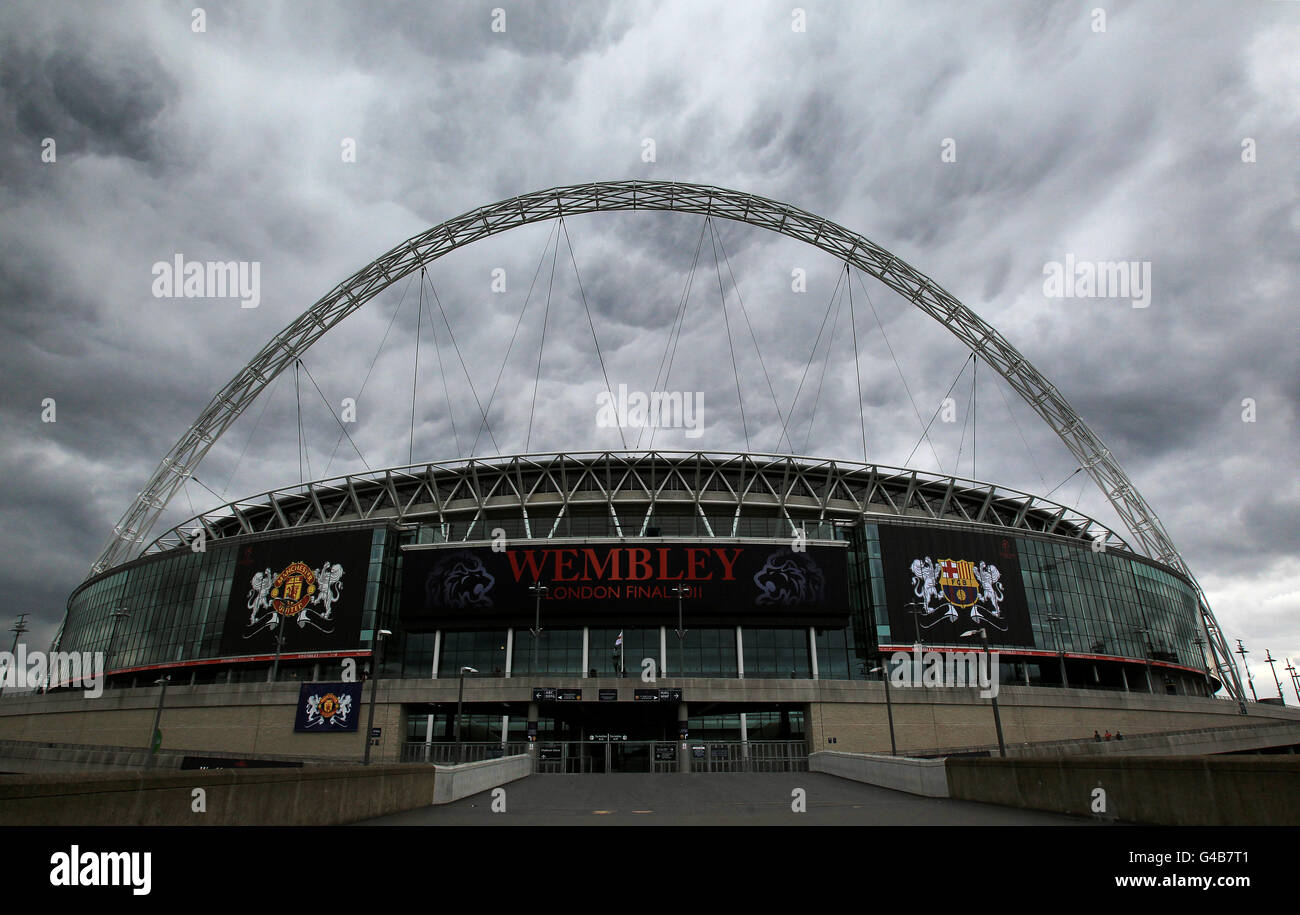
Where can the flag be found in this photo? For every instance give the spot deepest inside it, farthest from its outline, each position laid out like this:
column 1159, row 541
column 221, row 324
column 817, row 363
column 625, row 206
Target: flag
column 618, row 642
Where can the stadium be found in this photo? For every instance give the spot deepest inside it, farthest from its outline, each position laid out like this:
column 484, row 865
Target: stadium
column 635, row 610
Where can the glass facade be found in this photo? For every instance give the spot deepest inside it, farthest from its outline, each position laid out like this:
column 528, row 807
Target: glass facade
column 1080, row 601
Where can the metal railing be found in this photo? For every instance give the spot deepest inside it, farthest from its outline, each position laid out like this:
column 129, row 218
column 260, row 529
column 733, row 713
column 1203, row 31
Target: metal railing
column 592, row 757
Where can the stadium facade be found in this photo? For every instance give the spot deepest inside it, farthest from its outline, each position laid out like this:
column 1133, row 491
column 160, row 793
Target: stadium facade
column 726, row 577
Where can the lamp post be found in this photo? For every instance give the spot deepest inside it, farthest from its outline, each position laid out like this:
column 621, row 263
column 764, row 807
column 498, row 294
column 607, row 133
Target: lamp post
column 1272, row 663
column 155, row 737
column 1200, row 647
column 1243, row 651
column 279, row 644
column 18, row 628
column 889, row 704
column 1146, row 642
column 538, row 590
column 916, row 618
column 116, row 616
column 376, row 658
column 681, row 591
column 1060, row 648
column 997, row 716
column 460, row 698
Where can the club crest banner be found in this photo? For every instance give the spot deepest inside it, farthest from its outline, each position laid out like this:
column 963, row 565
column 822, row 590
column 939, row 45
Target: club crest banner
column 940, row 583
column 328, row 708
column 312, row 588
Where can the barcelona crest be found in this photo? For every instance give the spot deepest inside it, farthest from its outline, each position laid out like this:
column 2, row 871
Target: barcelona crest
column 949, row 587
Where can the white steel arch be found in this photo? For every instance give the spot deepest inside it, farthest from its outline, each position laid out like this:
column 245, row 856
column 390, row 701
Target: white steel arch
column 979, row 336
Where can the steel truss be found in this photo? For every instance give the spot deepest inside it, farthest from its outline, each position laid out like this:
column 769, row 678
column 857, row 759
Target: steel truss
column 628, row 486
column 979, row 336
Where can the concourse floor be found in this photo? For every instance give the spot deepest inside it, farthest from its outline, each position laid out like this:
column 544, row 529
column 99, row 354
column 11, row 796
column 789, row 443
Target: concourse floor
column 713, row 800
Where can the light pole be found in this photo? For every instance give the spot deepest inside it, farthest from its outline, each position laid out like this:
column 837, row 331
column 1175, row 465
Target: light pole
column 376, row 658
column 1146, row 642
column 155, row 739
column 279, row 644
column 997, row 716
column 1060, row 648
column 18, row 628
column 1272, row 662
column 1243, row 651
column 916, row 618
column 681, row 591
column 1200, row 647
column 460, row 698
column 116, row 616
column 889, row 704
column 538, row 590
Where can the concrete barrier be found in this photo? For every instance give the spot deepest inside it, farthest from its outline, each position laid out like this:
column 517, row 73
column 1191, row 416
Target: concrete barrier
column 317, row 796
column 926, row 777
column 1157, row 790
column 456, row 782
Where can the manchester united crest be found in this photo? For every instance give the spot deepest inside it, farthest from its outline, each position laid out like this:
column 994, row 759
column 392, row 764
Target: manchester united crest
column 297, row 592
column 326, row 707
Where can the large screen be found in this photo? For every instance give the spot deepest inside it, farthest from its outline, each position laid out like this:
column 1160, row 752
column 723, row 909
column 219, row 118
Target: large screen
column 314, row 586
column 623, row 583
column 942, row 583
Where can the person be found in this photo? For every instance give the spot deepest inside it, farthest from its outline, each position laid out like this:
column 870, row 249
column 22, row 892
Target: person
column 1096, row 737
column 1119, row 735
column 1108, row 734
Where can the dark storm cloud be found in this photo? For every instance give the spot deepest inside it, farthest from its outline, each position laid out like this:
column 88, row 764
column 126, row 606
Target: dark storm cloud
column 226, row 145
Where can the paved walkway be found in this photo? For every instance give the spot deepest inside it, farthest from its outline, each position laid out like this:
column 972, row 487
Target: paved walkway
column 713, row 800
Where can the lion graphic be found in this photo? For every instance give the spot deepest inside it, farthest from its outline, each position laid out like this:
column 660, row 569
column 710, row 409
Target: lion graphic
column 459, row 581
column 789, row 579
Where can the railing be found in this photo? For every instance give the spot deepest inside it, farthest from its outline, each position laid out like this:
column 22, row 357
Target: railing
column 591, row 757
column 447, row 754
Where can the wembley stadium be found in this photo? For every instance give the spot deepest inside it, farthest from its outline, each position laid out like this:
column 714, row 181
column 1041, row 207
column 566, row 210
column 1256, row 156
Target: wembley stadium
column 635, row 610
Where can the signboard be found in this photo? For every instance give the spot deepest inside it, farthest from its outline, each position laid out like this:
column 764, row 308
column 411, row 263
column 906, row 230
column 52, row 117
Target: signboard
column 311, row 588
column 543, row 693
column 551, row 752
column 627, row 583
column 955, row 581
column 697, row 752
column 568, row 695
column 716, row 752
column 494, row 753
column 329, row 708
column 665, row 752
column 662, row 694
column 608, row 695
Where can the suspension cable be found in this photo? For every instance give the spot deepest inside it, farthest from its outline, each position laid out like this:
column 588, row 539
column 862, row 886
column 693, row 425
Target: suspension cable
column 270, row 395
column 330, row 408
column 675, row 330
column 391, row 322
column 519, row 321
column 415, row 369
column 442, row 371
column 590, row 323
column 826, row 361
column 857, row 372
column 807, row 365
column 899, row 367
column 472, row 390
column 546, row 316
column 731, row 346
column 735, row 286
column 960, row 372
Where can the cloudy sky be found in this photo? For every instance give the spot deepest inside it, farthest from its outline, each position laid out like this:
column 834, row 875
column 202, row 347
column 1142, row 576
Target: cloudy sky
column 978, row 142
